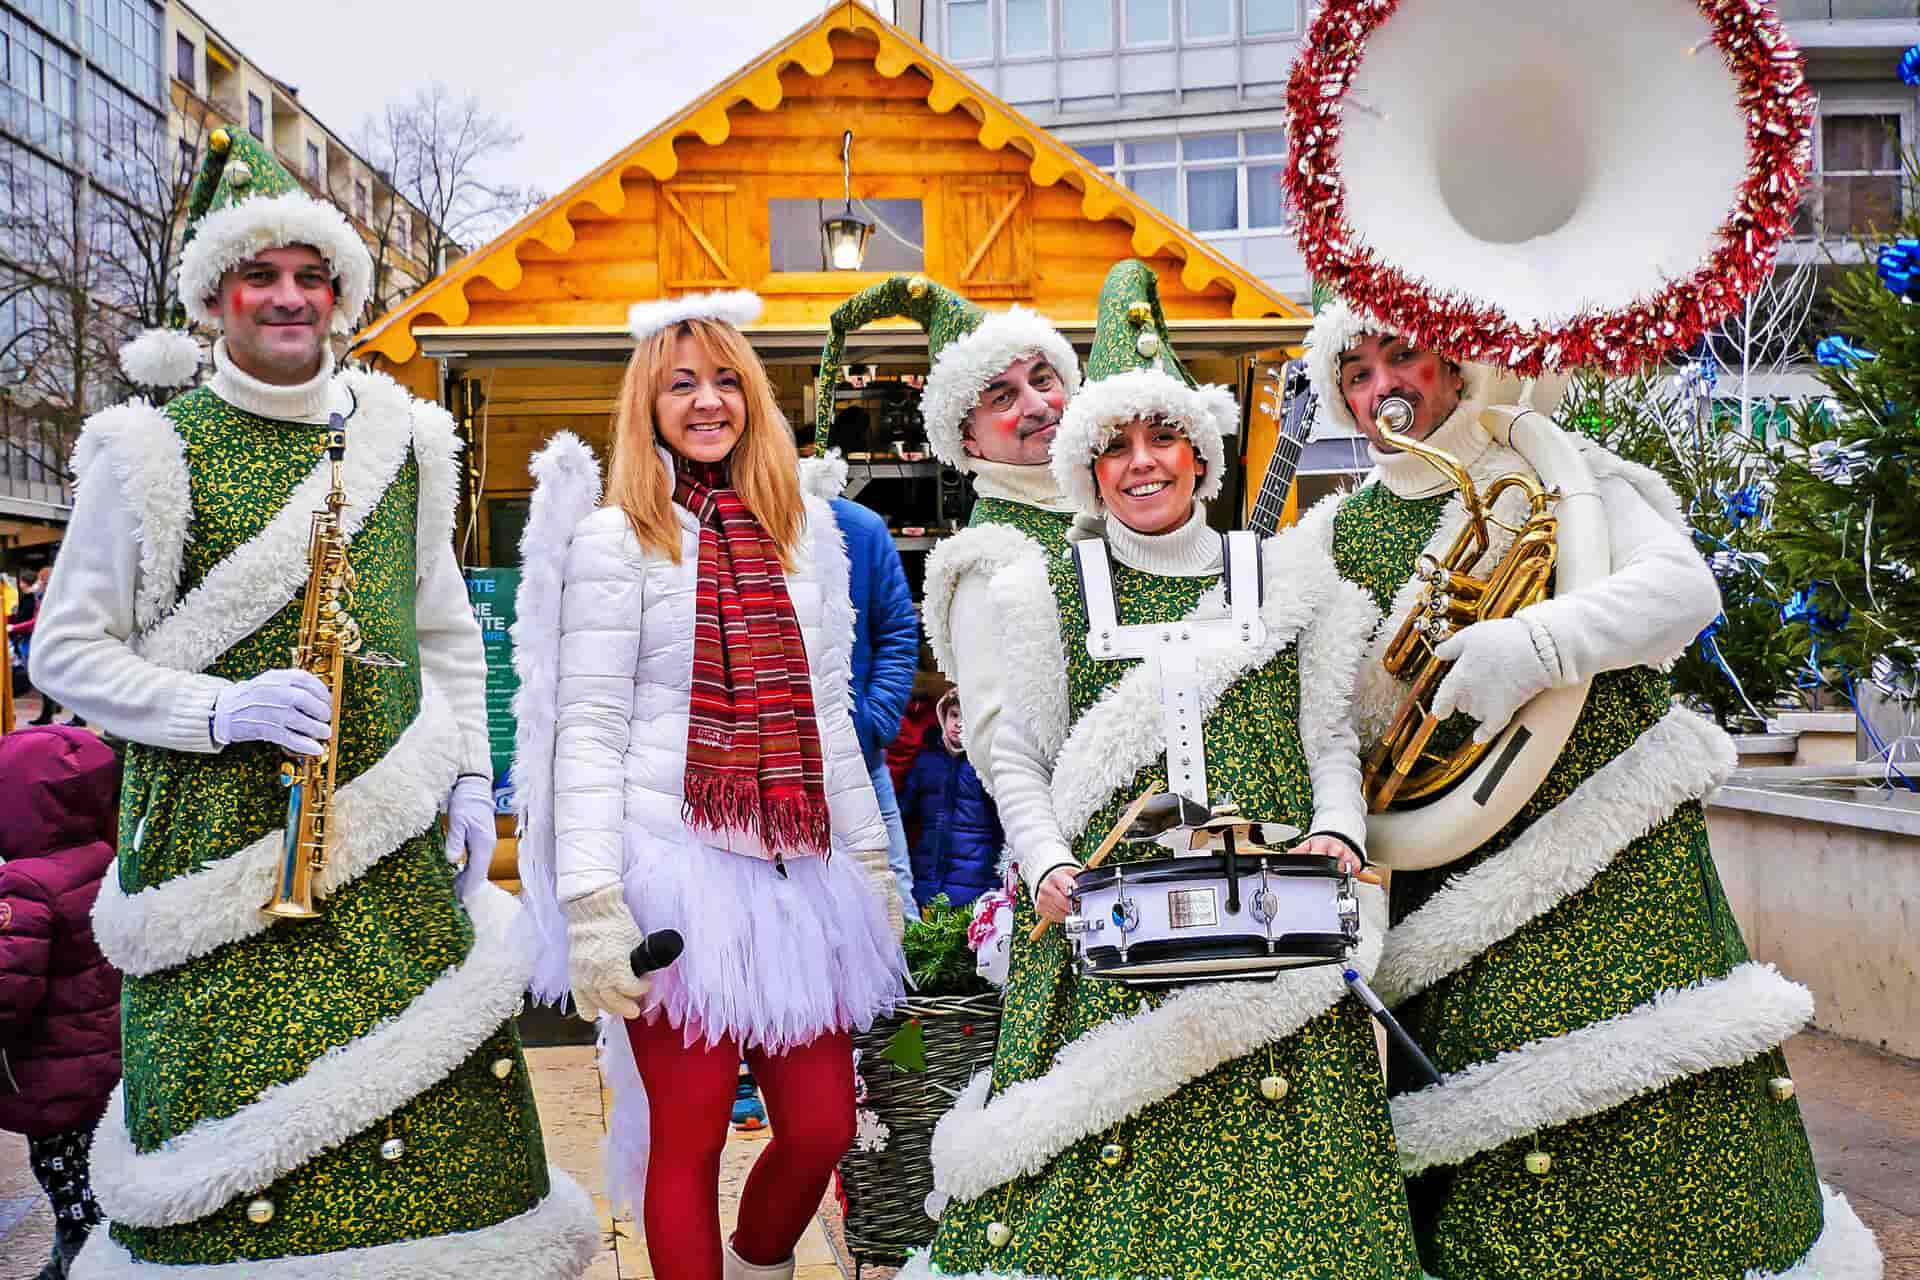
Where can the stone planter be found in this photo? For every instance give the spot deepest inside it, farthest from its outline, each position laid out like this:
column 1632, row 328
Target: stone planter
column 1758, row 749
column 1825, row 737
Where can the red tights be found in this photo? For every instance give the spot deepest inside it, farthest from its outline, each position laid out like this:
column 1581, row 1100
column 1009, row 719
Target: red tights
column 809, row 1097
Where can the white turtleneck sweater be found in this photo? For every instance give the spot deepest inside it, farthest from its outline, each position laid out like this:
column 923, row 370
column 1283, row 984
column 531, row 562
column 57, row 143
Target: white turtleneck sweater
column 1659, row 596
column 81, row 648
column 973, row 624
column 1023, row 780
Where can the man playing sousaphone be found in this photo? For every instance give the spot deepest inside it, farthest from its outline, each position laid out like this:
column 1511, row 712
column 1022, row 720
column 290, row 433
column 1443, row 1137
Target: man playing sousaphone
column 1640, row 1121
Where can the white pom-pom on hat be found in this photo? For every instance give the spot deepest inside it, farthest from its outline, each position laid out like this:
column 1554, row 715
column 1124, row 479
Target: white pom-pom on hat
column 737, row 307
column 161, row 358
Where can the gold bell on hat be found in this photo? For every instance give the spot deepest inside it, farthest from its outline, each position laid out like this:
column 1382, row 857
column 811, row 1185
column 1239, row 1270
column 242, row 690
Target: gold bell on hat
column 1273, row 1088
column 260, row 1211
column 1113, row 1155
column 502, row 1068
column 219, row 141
column 917, row 286
column 998, row 1234
column 1147, row 344
column 1780, row 1088
column 1538, row 1163
column 392, row 1149
column 1140, row 313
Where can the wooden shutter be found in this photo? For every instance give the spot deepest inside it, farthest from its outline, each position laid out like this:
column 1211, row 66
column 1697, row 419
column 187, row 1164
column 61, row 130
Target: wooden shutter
column 698, row 234
column 990, row 223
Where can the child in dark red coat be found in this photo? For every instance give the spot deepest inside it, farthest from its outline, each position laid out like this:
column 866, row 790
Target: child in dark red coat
column 59, row 999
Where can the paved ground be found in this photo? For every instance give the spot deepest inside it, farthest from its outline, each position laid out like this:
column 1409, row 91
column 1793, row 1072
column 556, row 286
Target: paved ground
column 1862, row 1107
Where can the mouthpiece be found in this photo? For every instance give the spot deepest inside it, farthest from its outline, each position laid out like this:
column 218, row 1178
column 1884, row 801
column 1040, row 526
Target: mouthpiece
column 1395, row 414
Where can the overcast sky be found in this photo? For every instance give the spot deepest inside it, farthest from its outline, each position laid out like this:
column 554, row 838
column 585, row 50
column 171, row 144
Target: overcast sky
column 580, row 79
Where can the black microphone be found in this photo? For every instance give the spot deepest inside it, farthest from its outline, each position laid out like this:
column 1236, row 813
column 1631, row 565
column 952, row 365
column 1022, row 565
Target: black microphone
column 662, row 948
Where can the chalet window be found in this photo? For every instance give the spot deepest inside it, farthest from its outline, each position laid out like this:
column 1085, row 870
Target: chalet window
column 1209, row 19
column 256, row 116
column 1086, row 25
column 794, row 229
column 1148, row 21
column 1027, row 33
column 183, row 60
column 969, row 30
column 313, row 163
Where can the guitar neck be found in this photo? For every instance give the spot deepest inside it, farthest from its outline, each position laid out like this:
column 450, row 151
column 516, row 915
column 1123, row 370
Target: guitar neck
column 1271, row 503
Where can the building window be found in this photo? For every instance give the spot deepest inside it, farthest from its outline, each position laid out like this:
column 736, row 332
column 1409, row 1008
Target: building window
column 183, row 61
column 969, row 30
column 189, row 158
column 1086, row 25
column 313, row 163
column 1214, row 183
column 360, row 201
column 256, row 117
column 1859, row 174
column 1148, row 21
column 1209, row 19
column 402, row 230
column 124, row 37
column 1027, row 31
column 43, row 78
column 1152, row 172
column 1100, row 153
column 1266, row 179
column 1271, row 17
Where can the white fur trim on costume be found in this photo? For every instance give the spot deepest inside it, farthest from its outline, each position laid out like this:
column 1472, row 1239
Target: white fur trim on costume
column 554, row 1240
column 1032, row 650
column 161, row 358
column 737, row 307
column 1335, row 330
column 341, row 1093
column 566, row 489
column 824, row 475
column 1681, row 758
column 1330, row 654
column 238, row 595
column 984, row 549
column 227, row 237
column 1124, row 731
column 966, row 365
column 149, row 462
column 1845, row 1249
column 1206, row 415
column 1121, row 1068
column 190, row 915
column 436, row 450
column 1683, row 1031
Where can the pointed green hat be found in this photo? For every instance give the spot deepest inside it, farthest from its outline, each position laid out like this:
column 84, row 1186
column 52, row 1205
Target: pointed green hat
column 244, row 202
column 1134, row 373
column 970, row 347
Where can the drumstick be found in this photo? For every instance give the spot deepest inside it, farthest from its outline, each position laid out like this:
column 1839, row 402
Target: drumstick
column 1107, row 846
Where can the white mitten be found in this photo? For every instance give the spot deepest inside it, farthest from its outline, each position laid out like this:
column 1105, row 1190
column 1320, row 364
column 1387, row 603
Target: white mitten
column 601, row 936
column 1498, row 668
column 880, row 876
column 287, row 707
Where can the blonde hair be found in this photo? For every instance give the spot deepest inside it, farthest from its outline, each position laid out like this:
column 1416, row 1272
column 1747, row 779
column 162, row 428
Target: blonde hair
column 764, row 466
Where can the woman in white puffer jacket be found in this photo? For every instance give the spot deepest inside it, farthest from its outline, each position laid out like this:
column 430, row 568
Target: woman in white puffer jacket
column 702, row 776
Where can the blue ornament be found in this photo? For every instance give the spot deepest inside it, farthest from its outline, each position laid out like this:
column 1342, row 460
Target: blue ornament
column 1837, row 351
column 1899, row 267
column 1910, row 66
column 1712, row 630
column 1804, row 607
column 1742, row 505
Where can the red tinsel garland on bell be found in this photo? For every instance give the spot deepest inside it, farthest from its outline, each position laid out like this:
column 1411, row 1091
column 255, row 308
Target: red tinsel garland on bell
column 1779, row 109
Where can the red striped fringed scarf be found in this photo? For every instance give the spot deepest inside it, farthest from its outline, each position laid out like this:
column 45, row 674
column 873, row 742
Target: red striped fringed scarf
column 753, row 747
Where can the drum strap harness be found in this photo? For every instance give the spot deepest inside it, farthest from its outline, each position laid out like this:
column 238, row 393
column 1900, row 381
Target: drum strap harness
column 1174, row 649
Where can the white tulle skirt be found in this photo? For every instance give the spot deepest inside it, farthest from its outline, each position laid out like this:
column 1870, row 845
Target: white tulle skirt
column 771, row 961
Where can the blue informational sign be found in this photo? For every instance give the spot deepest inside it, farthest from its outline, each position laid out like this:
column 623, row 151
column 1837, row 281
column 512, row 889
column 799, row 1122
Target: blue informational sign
column 491, row 592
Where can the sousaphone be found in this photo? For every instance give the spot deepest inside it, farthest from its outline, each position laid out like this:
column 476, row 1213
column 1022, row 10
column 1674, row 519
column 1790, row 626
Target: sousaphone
column 1541, row 186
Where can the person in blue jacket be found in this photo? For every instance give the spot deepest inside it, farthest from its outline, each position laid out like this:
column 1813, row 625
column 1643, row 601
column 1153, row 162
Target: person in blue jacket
column 958, row 849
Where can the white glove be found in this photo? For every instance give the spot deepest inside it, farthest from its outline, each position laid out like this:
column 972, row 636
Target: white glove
column 471, row 834
column 1497, row 669
column 601, row 936
column 880, row 876
column 287, row 707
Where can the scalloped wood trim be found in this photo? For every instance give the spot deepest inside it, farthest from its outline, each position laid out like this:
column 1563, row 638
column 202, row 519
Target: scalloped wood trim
column 811, row 49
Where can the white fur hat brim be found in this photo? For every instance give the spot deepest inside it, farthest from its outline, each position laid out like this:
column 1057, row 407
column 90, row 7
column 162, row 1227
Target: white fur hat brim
column 737, row 307
column 1207, row 415
column 228, row 237
column 966, row 365
column 1336, row 330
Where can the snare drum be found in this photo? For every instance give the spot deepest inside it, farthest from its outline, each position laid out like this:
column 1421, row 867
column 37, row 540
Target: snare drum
column 1164, row 921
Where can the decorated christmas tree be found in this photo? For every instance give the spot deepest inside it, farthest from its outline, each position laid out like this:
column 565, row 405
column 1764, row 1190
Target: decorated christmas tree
column 1846, row 511
column 1745, row 662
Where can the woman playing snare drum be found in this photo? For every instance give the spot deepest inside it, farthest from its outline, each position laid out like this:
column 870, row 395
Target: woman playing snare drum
column 1235, row 1129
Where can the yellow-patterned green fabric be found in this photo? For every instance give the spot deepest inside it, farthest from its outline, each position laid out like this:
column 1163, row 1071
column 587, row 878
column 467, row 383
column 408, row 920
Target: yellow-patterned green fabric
column 1702, row 1180
column 1216, row 1182
column 204, row 1039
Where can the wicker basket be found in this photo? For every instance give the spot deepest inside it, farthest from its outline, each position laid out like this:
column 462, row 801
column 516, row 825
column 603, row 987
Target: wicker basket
column 887, row 1190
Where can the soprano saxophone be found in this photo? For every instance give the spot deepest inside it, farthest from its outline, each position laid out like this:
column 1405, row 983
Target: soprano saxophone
column 328, row 637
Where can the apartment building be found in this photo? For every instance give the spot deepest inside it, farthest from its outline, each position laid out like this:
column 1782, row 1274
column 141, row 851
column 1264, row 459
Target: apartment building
column 213, row 83
column 83, row 97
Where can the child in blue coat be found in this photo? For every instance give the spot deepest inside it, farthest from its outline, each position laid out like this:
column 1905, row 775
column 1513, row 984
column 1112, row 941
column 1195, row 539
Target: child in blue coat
column 956, row 849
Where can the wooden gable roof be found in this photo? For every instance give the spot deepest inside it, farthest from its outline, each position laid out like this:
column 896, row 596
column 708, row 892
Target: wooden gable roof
column 583, row 247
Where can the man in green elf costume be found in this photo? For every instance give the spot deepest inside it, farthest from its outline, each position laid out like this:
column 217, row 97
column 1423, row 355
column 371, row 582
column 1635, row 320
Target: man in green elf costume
column 999, row 384
column 1614, row 1100
column 335, row 1096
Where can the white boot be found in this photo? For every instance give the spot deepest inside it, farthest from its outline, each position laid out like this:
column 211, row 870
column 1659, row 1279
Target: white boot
column 736, row 1268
